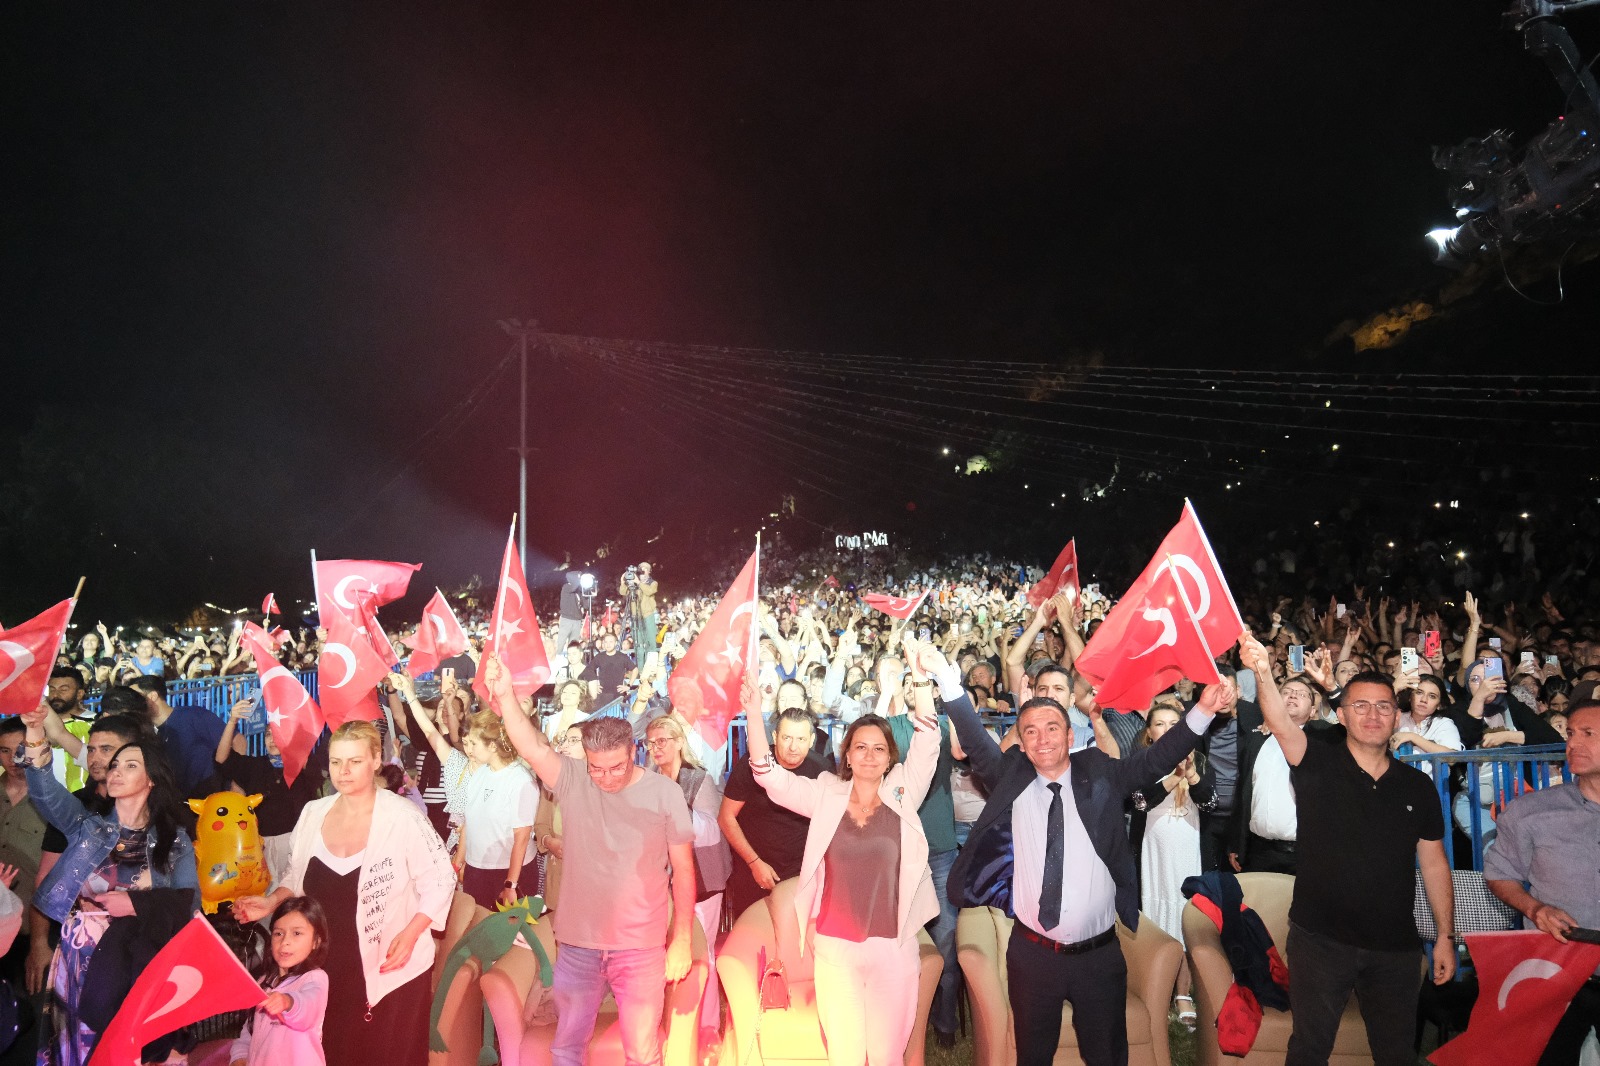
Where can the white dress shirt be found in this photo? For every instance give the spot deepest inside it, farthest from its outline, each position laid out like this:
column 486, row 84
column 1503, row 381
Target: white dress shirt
column 1088, row 892
column 1272, row 808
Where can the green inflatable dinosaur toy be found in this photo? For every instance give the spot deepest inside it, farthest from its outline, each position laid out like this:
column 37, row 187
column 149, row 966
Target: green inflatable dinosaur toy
column 486, row 942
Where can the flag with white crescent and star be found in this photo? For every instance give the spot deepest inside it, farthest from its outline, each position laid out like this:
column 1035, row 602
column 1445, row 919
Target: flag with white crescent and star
column 194, row 977
column 1063, row 575
column 292, row 715
column 27, row 655
column 342, row 584
column 1526, row 979
column 348, row 669
column 705, row 685
column 439, row 636
column 269, row 605
column 514, row 632
column 893, row 606
column 1145, row 643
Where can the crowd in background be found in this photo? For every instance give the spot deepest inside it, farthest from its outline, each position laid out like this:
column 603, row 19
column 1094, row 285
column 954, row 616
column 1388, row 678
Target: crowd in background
column 1485, row 644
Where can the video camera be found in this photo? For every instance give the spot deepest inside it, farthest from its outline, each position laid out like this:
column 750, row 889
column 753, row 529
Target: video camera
column 1549, row 189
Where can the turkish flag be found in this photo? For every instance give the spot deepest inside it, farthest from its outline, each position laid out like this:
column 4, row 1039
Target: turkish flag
column 194, row 977
column 1063, row 575
column 274, row 639
column 1162, row 648
column 705, row 685
column 893, row 606
column 342, row 583
column 439, row 636
column 514, row 632
column 1525, row 981
column 367, row 626
column 269, row 605
column 1146, row 642
column 347, row 671
column 27, row 655
column 293, row 716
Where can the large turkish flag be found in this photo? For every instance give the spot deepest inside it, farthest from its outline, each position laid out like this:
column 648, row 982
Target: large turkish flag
column 1525, row 981
column 1142, row 634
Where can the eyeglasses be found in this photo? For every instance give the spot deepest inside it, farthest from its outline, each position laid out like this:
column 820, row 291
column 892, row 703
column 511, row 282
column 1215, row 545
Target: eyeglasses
column 661, row 742
column 619, row 770
column 1365, row 707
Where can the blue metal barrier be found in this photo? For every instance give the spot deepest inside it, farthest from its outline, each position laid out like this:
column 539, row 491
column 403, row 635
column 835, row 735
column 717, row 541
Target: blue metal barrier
column 1512, row 771
column 219, row 694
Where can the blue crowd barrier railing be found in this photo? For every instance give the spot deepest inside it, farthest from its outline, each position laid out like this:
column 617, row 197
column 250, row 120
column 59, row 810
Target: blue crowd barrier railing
column 219, row 694
column 1510, row 772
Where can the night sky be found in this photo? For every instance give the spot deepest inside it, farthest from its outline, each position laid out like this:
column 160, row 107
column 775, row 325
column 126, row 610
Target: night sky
column 255, row 255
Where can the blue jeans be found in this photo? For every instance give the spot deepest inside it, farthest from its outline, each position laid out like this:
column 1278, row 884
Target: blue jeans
column 946, row 1000
column 638, row 981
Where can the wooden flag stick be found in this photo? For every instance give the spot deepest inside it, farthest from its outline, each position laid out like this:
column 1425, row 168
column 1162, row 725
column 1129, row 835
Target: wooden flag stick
column 79, row 590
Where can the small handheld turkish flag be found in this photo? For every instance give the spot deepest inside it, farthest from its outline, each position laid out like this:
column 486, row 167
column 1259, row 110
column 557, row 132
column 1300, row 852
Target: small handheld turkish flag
column 514, row 631
column 439, row 636
column 27, row 655
column 1142, row 634
column 269, row 605
column 292, row 715
column 893, row 606
column 194, row 977
column 342, row 583
column 1063, row 575
column 1526, row 979
column 705, row 685
column 347, row 671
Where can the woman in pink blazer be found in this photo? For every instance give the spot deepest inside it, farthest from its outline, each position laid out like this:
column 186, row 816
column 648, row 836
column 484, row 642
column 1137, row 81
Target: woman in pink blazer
column 865, row 888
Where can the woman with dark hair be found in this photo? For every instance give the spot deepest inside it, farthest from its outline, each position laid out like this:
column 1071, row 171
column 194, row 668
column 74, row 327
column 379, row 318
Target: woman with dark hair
column 112, row 868
column 287, row 1026
column 865, row 888
column 1423, row 726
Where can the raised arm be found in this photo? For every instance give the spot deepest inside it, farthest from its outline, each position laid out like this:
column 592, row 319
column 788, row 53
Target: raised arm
column 1469, row 646
column 520, row 730
column 407, row 688
column 1018, row 655
column 240, row 711
column 1291, row 738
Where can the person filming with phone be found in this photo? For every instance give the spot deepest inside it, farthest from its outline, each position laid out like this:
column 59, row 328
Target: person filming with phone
column 1547, row 841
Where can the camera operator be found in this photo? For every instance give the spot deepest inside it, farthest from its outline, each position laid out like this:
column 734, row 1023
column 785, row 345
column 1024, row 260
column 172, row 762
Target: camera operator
column 639, row 586
column 572, row 606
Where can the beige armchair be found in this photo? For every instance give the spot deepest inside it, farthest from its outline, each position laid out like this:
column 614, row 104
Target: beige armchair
column 512, row 992
column 1153, row 958
column 793, row 1035
column 1269, row 896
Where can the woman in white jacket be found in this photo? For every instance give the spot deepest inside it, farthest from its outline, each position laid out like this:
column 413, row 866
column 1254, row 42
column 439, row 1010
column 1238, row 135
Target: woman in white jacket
column 865, row 888
column 374, row 862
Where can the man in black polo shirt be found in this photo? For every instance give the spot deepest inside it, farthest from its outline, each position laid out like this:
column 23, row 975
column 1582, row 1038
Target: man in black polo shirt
column 1366, row 822
column 768, row 840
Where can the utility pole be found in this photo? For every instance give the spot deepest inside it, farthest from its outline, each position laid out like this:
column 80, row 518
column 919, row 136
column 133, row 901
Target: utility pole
column 520, row 330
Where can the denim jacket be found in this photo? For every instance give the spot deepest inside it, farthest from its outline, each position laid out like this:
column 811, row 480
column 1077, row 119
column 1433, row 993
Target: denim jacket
column 90, row 838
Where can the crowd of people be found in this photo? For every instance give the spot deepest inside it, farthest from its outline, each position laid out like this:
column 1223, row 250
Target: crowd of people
column 900, row 770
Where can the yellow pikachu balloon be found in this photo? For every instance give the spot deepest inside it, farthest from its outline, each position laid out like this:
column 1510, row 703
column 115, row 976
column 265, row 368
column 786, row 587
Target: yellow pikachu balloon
column 228, row 851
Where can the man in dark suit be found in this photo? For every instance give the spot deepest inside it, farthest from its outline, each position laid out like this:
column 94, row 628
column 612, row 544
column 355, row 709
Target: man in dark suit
column 1057, row 860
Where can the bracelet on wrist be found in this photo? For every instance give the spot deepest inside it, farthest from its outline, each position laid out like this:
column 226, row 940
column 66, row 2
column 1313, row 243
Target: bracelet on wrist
column 753, row 861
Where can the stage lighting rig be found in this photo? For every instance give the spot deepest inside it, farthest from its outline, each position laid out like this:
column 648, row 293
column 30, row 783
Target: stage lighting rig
column 1546, row 191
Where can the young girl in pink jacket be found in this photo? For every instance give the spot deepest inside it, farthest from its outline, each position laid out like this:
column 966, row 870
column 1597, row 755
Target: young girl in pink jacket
column 287, row 1027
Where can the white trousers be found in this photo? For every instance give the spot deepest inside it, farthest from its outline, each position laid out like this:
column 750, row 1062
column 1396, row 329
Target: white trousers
column 709, row 913
column 866, row 998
